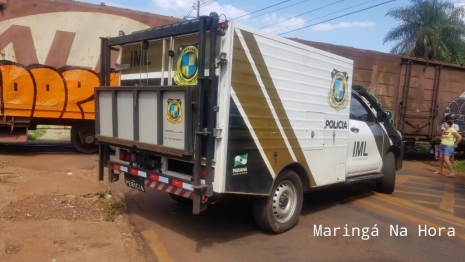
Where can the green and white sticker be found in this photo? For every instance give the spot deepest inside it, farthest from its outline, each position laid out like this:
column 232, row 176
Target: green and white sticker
column 240, row 160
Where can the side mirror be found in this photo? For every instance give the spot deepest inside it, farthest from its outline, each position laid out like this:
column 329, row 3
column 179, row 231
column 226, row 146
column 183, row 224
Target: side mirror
column 382, row 116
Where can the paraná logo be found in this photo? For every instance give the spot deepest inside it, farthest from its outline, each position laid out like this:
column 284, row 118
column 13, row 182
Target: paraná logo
column 240, row 160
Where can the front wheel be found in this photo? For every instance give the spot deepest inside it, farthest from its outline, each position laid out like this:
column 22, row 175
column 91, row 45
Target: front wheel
column 281, row 210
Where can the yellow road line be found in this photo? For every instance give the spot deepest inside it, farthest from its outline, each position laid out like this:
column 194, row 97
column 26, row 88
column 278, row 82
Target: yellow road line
column 422, row 182
column 420, row 209
column 413, row 219
column 423, row 189
column 409, row 177
column 448, row 200
column 423, row 202
column 415, row 193
column 401, row 179
column 157, row 246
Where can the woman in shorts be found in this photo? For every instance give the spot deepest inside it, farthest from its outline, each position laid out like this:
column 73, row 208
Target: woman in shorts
column 449, row 141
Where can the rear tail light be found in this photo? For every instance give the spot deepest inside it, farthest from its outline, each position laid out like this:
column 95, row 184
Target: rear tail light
column 223, row 25
column 203, row 173
column 124, row 155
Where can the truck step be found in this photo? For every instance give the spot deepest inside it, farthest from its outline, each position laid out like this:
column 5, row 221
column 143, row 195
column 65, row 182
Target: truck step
column 363, row 178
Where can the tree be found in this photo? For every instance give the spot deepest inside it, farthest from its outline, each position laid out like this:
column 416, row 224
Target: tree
column 431, row 29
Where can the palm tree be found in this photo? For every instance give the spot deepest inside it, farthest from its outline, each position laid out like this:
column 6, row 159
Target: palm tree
column 432, row 29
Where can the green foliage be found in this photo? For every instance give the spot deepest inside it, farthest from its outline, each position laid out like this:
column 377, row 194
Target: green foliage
column 430, row 29
column 459, row 165
column 103, row 194
column 35, row 134
column 110, row 206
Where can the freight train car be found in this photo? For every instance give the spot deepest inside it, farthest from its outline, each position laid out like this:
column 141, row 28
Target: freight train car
column 416, row 93
column 49, row 63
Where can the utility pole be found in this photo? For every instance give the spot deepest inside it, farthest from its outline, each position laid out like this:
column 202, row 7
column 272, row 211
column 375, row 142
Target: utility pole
column 198, row 9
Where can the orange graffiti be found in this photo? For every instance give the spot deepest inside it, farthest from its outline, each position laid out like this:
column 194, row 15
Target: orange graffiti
column 50, row 91
column 17, row 92
column 45, row 92
column 80, row 84
column 114, row 78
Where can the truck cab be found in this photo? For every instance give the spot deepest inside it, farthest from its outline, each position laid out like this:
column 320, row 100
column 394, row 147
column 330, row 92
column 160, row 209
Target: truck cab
column 373, row 142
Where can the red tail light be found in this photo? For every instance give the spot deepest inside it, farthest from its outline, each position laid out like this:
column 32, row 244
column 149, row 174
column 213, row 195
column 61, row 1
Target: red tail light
column 203, row 173
column 223, row 25
column 124, row 155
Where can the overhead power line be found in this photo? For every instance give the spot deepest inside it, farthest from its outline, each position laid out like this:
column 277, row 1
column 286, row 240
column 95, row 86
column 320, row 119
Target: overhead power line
column 273, row 10
column 207, row 3
column 196, row 6
column 303, row 14
column 358, row 11
column 260, row 9
column 345, row 9
column 190, row 11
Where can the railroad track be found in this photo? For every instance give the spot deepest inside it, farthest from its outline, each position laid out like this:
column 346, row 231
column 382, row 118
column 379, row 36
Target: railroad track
column 38, row 147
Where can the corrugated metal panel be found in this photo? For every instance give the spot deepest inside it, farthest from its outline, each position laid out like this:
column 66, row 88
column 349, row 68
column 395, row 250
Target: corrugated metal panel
column 378, row 72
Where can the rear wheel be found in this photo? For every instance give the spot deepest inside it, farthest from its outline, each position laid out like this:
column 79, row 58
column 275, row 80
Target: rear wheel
column 181, row 200
column 83, row 138
column 388, row 183
column 280, row 211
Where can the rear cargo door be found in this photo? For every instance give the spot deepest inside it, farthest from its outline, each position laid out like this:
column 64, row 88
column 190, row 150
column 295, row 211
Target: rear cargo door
column 418, row 102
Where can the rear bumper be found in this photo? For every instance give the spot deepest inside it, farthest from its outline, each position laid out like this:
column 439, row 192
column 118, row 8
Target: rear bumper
column 155, row 180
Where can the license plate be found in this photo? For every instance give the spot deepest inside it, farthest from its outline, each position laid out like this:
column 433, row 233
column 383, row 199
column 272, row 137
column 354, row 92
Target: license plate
column 134, row 182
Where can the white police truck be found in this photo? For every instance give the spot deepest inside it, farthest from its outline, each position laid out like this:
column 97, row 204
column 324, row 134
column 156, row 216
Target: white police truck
column 206, row 108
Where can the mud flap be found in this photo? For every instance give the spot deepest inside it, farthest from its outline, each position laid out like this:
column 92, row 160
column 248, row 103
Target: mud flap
column 199, row 204
column 104, row 158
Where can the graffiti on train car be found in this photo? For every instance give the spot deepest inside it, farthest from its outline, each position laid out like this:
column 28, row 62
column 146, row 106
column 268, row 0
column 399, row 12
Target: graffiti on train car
column 388, row 112
column 48, row 65
column 457, row 107
column 47, row 92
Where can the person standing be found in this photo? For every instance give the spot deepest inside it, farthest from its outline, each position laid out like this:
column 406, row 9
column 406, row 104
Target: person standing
column 449, row 141
column 454, row 126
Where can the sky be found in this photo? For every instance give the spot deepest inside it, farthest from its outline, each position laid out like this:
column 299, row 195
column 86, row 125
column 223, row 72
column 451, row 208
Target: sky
column 356, row 23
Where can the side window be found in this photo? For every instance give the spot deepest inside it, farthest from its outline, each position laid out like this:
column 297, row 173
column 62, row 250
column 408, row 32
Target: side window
column 358, row 111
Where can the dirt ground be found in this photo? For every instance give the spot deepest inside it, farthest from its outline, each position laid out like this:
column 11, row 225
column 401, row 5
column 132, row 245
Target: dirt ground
column 52, row 208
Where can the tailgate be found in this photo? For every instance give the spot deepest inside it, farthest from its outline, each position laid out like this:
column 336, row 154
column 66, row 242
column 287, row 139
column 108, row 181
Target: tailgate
column 150, row 118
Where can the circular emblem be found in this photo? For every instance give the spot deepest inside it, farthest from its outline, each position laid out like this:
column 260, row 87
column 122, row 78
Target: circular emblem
column 338, row 96
column 186, row 67
column 174, row 111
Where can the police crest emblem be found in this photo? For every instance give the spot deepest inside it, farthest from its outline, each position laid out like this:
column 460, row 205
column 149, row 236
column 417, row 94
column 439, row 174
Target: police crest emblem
column 186, row 66
column 174, row 111
column 338, row 96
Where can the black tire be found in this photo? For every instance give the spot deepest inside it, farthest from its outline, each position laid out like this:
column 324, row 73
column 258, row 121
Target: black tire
column 181, row 200
column 280, row 212
column 88, row 146
column 388, row 183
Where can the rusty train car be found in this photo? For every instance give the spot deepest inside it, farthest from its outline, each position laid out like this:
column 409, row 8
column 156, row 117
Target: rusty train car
column 50, row 60
column 416, row 93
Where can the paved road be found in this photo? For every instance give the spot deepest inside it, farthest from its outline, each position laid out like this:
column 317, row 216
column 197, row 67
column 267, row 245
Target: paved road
column 422, row 204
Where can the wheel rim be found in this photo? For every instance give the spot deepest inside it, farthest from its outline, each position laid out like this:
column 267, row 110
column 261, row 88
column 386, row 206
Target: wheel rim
column 284, row 201
column 89, row 139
